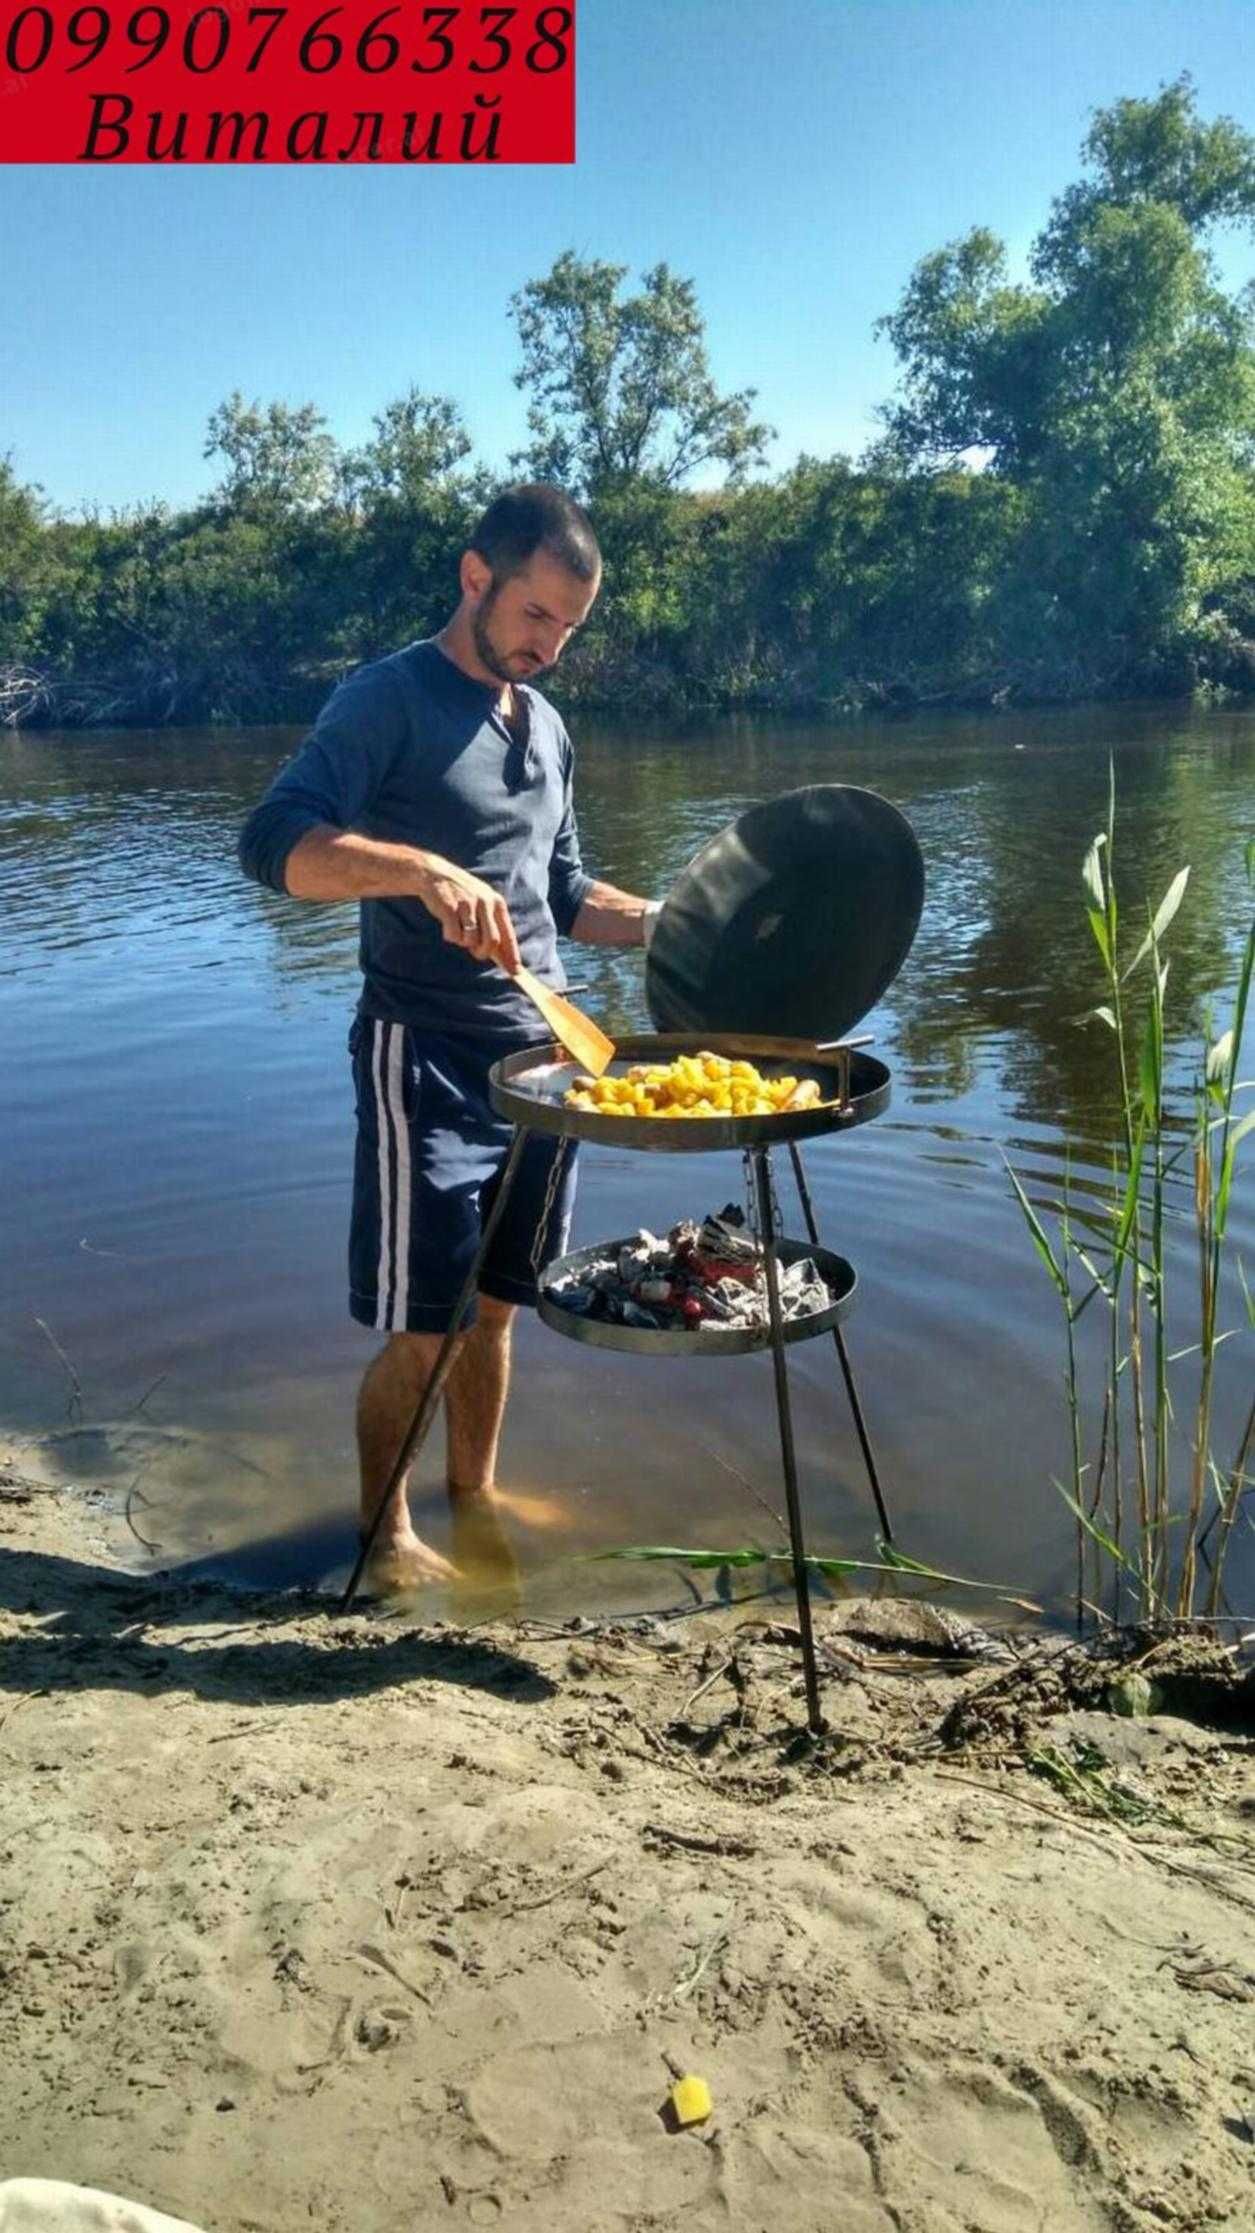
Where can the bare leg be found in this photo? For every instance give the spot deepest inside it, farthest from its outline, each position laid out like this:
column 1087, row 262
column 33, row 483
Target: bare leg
column 475, row 1398
column 475, row 1401
column 389, row 1397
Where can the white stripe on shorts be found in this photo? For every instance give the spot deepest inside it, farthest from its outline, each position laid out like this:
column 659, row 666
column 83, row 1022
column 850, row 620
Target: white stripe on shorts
column 401, row 1132
column 380, row 1031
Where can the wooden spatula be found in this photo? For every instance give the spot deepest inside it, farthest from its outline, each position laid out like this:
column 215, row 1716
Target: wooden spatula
column 577, row 1032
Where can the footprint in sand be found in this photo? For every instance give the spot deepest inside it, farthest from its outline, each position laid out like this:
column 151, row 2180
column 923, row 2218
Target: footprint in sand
column 992, row 2157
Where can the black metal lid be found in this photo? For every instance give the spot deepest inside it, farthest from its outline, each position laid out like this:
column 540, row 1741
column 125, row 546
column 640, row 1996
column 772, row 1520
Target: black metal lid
column 792, row 921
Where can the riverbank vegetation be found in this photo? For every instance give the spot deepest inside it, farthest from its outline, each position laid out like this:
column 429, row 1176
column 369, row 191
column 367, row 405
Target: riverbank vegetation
column 1061, row 503
column 1146, row 1547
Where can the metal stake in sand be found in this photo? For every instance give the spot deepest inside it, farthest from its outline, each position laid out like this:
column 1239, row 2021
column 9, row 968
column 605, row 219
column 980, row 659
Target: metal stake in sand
column 417, row 1431
column 767, row 1234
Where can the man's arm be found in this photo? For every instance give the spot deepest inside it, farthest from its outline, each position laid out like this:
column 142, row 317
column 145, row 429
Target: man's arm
column 609, row 917
column 329, row 864
column 583, row 907
column 301, row 838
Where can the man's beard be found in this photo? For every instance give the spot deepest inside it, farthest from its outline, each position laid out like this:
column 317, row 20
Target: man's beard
column 486, row 650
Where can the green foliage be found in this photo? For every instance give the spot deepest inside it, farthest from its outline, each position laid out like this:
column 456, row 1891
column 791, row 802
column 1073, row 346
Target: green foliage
column 1116, row 393
column 419, row 443
column 279, row 460
column 620, row 389
column 1124, row 1502
column 1062, row 504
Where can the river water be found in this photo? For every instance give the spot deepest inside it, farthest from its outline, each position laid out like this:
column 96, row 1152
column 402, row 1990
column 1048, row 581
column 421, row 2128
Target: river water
column 176, row 1113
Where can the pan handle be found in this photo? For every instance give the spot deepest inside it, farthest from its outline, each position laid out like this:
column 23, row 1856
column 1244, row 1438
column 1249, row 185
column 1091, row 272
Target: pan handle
column 843, row 1049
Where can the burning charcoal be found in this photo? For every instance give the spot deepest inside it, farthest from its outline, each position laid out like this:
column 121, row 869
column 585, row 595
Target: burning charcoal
column 802, row 1290
column 683, row 1237
column 734, row 1302
column 634, row 1258
column 719, row 1238
column 708, row 1272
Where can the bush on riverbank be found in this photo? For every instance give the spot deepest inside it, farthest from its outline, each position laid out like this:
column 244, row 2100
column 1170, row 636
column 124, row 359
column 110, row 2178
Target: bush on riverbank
column 829, row 589
column 1062, row 504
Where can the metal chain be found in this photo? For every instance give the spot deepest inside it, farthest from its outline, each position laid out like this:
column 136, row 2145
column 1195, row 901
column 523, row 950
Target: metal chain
column 751, row 1207
column 751, row 1198
column 541, row 1234
column 777, row 1218
column 751, row 1193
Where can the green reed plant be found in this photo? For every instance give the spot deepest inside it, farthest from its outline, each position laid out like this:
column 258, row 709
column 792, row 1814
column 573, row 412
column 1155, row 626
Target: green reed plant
column 891, row 1561
column 1123, row 1501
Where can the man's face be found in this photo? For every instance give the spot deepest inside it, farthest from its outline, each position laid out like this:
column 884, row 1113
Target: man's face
column 523, row 625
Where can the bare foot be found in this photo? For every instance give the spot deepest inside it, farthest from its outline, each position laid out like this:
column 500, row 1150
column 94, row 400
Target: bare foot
column 487, row 1572
column 531, row 1510
column 399, row 1563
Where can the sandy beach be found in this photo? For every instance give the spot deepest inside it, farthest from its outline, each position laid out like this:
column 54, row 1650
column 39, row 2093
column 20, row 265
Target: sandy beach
column 381, row 1925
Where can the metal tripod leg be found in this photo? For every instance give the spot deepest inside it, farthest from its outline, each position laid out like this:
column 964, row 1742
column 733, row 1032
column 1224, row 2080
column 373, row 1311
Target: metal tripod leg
column 771, row 1267
column 847, row 1369
column 419, row 1426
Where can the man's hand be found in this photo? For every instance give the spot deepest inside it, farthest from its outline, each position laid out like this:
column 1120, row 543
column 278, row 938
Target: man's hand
column 469, row 912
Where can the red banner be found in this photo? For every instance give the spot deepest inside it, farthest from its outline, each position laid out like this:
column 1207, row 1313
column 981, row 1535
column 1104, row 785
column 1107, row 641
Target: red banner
column 302, row 83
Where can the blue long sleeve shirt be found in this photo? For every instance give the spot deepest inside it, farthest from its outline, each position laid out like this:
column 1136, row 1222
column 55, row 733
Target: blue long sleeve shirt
column 412, row 750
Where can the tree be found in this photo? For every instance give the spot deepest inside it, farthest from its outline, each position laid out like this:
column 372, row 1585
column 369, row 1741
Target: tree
column 280, row 458
column 23, row 563
column 1124, row 285
column 620, row 386
column 419, row 443
column 1116, row 390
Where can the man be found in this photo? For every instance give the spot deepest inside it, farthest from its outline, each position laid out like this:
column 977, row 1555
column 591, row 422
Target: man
column 436, row 788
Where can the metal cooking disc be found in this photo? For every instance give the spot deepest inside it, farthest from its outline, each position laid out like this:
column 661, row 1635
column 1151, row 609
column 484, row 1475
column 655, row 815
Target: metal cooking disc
column 792, row 921
column 529, row 1088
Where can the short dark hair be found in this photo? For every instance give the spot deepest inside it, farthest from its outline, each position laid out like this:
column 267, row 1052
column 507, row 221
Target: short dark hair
column 532, row 516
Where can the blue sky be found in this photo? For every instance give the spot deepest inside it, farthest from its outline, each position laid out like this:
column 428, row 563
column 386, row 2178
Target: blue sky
column 794, row 157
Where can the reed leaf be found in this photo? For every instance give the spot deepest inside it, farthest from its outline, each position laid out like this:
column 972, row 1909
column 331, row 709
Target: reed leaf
column 1227, row 1166
column 1092, row 872
column 1083, row 1257
column 1098, row 924
column 1168, row 906
column 700, row 1559
column 898, row 1562
column 1219, row 1057
column 892, row 1561
column 1038, row 1232
column 1096, row 1534
column 1192, row 1348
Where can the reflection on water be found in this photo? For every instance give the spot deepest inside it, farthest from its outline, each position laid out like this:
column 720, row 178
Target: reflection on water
column 177, row 1123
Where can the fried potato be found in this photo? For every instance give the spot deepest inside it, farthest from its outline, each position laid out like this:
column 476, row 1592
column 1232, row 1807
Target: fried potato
column 693, row 1085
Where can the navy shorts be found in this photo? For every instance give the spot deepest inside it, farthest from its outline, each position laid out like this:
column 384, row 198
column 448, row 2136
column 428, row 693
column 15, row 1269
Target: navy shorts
column 430, row 1149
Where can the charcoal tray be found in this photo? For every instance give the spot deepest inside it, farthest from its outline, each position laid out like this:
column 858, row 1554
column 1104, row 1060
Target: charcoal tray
column 710, row 1339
